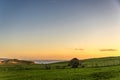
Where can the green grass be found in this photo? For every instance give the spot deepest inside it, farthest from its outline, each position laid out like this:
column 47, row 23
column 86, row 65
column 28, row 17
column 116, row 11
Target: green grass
column 57, row 72
column 103, row 73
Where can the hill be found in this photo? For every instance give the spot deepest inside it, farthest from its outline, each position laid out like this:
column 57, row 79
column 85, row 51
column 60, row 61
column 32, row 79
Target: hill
column 15, row 61
column 96, row 62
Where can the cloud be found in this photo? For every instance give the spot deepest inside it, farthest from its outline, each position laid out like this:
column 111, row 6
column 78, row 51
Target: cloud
column 108, row 49
column 80, row 49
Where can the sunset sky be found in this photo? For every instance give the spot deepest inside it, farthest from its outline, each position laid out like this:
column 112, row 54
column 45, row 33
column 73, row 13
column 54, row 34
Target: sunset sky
column 59, row 29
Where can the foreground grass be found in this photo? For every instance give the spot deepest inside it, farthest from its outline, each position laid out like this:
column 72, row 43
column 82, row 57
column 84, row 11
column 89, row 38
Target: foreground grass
column 91, row 69
column 34, row 73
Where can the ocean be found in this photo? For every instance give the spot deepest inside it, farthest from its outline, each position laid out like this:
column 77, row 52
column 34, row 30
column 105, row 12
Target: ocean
column 46, row 61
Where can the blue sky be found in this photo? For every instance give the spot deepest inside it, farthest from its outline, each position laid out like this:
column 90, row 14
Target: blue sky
column 61, row 24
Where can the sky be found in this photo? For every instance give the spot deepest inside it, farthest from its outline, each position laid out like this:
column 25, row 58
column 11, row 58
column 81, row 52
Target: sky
column 59, row 29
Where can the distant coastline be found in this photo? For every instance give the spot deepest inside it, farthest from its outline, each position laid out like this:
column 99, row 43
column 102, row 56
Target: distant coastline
column 37, row 61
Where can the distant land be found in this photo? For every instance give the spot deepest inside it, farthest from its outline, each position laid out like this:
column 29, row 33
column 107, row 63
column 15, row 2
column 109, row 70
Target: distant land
column 15, row 61
column 35, row 61
column 51, row 61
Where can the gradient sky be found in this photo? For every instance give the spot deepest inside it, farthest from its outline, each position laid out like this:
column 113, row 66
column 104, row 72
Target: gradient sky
column 59, row 29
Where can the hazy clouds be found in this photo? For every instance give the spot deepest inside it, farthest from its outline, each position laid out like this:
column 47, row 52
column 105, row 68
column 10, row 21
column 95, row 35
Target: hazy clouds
column 108, row 50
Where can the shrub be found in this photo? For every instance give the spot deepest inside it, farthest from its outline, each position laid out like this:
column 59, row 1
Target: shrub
column 74, row 63
column 47, row 66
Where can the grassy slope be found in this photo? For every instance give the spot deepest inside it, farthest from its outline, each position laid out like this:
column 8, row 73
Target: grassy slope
column 36, row 72
column 97, row 62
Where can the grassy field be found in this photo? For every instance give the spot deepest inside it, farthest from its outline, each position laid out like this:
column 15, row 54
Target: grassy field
column 91, row 69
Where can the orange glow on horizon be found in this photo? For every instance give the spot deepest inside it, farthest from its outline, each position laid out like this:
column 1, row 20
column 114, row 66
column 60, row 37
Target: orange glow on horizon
column 58, row 54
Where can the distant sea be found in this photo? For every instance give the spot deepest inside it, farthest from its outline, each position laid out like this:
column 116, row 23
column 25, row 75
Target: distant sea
column 47, row 61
